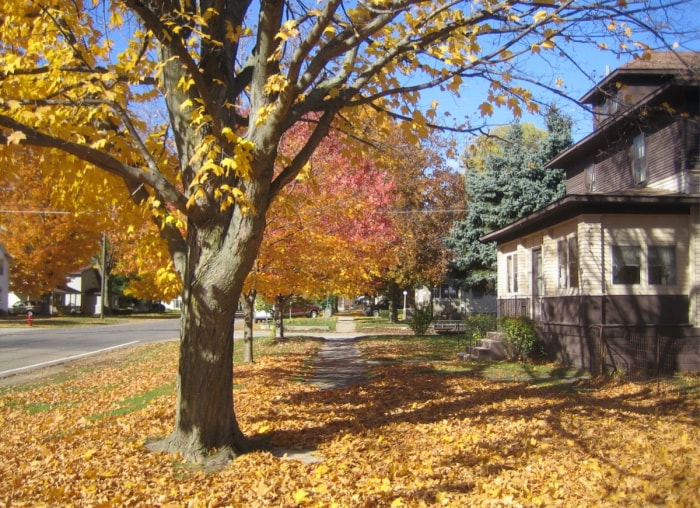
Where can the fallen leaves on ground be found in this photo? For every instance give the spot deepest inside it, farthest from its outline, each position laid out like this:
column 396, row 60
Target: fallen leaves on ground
column 415, row 434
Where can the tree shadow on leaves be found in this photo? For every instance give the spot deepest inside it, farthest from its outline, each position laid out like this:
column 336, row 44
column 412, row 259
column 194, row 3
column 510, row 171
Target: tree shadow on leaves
column 418, row 394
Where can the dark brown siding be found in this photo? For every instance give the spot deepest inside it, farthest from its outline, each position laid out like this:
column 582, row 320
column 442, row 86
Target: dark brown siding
column 513, row 307
column 614, row 170
column 629, row 93
column 645, row 351
column 649, row 309
column 631, row 310
column 575, row 178
column 664, row 151
column 691, row 136
column 672, row 146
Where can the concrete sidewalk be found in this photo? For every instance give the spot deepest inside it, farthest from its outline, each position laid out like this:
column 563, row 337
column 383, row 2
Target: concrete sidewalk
column 338, row 364
column 345, row 329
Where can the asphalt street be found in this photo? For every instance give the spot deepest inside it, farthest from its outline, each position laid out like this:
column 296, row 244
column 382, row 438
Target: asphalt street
column 23, row 349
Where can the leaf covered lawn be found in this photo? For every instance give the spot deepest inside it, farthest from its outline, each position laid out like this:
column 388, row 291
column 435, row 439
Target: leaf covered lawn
column 422, row 431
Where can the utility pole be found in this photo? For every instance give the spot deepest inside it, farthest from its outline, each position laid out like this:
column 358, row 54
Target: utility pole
column 103, row 284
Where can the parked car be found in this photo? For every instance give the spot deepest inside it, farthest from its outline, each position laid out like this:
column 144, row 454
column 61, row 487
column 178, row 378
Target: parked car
column 373, row 309
column 262, row 315
column 301, row 308
column 23, row 307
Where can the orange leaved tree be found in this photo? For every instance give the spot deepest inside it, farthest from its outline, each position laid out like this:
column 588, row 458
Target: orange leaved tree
column 48, row 232
column 328, row 232
column 88, row 78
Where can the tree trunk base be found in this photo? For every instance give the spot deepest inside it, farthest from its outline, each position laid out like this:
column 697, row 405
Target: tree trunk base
column 193, row 451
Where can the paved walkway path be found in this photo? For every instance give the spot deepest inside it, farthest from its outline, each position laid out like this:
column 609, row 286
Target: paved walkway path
column 338, row 363
column 345, row 324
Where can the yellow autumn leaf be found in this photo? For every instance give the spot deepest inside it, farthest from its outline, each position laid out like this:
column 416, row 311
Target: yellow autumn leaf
column 16, row 137
column 540, row 16
column 89, row 454
column 301, row 496
column 486, row 109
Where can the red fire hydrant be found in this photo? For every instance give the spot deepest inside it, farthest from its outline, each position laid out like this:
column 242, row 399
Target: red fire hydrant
column 29, row 318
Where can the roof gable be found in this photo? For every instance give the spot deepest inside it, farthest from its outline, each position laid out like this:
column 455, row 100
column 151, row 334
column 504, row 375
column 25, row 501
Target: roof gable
column 662, row 64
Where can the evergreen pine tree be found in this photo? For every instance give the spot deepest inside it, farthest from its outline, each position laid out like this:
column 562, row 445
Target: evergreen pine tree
column 509, row 183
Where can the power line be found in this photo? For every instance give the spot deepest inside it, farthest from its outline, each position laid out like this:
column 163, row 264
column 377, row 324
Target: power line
column 40, row 212
column 447, row 210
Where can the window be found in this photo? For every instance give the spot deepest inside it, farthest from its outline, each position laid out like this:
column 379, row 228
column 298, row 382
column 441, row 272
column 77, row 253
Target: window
column 567, row 251
column 573, row 262
column 626, row 261
column 661, row 265
column 611, row 104
column 512, row 268
column 563, row 265
column 2, row 266
column 589, row 176
column 639, row 160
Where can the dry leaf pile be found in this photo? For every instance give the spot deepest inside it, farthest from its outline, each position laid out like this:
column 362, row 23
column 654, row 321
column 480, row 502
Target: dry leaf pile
column 415, row 434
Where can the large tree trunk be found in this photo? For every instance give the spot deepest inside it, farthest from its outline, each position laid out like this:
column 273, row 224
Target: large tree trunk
column 222, row 243
column 219, row 258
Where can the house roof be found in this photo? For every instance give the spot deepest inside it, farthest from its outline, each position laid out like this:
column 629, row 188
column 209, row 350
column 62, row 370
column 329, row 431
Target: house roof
column 637, row 201
column 659, row 63
column 678, row 70
column 61, row 290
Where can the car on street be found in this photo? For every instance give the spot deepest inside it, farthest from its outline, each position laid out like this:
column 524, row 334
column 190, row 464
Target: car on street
column 373, row 309
column 262, row 315
column 23, row 307
column 301, row 308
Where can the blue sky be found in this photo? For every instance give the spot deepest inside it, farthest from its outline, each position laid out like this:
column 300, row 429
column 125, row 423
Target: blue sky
column 596, row 63
column 593, row 62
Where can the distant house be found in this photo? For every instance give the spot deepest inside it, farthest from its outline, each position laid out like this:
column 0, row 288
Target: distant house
column 451, row 301
column 81, row 294
column 4, row 279
column 611, row 272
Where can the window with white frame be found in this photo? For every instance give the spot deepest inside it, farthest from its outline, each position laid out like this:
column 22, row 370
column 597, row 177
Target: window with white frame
column 567, row 253
column 512, row 269
column 626, row 264
column 661, row 261
column 639, row 159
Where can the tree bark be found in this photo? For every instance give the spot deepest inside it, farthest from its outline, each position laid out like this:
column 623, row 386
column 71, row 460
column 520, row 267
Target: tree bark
column 248, row 301
column 219, row 256
column 393, row 291
column 279, row 317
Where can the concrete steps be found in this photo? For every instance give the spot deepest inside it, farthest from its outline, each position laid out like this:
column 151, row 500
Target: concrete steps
column 488, row 349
